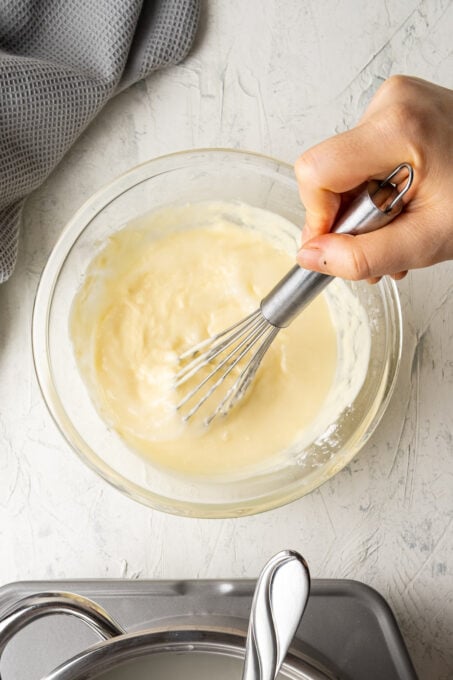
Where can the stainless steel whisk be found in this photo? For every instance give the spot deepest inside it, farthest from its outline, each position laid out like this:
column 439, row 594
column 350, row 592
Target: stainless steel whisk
column 248, row 340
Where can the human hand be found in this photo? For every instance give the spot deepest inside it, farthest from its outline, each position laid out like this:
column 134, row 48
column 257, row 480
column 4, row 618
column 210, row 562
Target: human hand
column 408, row 120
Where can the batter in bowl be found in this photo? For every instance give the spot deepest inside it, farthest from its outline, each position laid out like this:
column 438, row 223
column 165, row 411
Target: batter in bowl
column 166, row 282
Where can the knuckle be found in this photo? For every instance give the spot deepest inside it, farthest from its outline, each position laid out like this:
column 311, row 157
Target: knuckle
column 406, row 116
column 397, row 86
column 306, row 168
column 405, row 120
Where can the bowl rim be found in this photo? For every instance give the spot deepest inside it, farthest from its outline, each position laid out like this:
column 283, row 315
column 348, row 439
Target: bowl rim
column 48, row 280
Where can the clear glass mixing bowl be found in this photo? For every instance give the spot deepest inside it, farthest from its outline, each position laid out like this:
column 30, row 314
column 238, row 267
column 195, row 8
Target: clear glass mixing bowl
column 192, row 176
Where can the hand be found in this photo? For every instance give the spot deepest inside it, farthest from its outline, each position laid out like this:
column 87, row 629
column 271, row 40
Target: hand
column 408, row 120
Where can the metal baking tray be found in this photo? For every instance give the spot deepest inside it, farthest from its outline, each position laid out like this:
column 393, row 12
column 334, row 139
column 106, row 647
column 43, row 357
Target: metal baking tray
column 347, row 625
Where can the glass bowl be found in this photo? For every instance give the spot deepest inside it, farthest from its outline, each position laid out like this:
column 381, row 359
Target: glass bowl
column 192, row 176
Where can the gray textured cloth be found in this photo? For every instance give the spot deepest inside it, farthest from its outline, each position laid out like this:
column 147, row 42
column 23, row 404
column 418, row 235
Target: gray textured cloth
column 60, row 61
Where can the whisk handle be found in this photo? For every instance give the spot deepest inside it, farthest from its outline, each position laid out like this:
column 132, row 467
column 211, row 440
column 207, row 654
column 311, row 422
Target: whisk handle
column 377, row 205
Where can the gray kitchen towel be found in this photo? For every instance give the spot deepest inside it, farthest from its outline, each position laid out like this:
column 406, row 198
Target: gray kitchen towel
column 60, row 61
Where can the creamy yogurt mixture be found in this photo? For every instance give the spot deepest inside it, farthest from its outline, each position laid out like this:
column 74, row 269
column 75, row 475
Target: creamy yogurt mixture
column 166, row 282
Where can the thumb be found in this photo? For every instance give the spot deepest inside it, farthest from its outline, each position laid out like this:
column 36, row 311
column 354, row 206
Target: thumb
column 389, row 250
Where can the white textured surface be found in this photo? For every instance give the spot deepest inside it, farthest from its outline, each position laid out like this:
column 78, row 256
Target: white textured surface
column 273, row 77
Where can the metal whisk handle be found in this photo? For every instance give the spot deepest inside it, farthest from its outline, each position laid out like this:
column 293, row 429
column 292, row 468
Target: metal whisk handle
column 377, row 205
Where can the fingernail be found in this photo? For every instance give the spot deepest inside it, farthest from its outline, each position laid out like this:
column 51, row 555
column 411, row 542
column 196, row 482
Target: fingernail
column 311, row 258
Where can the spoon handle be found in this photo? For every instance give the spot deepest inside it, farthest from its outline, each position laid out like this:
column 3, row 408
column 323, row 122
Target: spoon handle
column 279, row 601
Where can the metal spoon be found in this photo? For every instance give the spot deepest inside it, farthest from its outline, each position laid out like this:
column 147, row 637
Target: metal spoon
column 279, row 601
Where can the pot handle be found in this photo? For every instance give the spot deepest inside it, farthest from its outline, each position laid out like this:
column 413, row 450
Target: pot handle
column 37, row 606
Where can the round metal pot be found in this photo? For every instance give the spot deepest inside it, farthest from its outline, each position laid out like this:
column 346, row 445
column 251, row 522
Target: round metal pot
column 120, row 649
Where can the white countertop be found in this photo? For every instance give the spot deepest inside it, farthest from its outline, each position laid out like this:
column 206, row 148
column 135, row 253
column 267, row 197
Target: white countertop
column 273, row 77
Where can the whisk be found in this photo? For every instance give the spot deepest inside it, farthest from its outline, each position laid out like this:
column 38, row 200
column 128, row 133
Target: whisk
column 236, row 352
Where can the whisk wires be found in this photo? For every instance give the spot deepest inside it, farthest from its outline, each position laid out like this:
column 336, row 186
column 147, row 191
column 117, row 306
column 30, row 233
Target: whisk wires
column 248, row 341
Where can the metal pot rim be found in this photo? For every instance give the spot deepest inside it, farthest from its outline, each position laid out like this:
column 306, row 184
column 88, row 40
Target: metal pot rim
column 109, row 654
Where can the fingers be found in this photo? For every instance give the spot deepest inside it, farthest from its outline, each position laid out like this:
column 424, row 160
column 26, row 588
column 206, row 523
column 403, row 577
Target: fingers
column 338, row 165
column 391, row 250
column 397, row 277
column 408, row 120
column 344, row 200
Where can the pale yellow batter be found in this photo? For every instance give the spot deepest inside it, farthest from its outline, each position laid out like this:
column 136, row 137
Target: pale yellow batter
column 162, row 285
